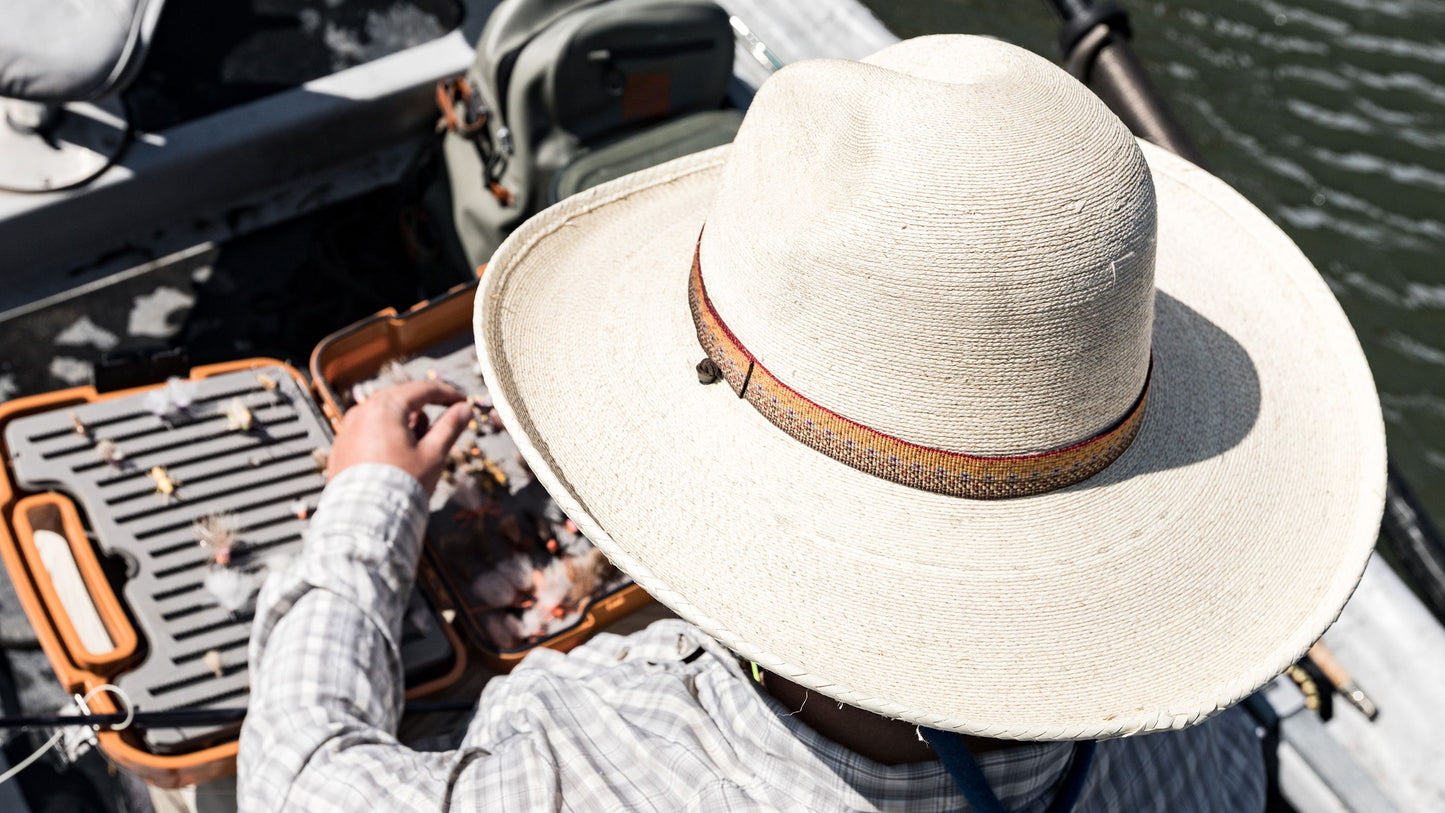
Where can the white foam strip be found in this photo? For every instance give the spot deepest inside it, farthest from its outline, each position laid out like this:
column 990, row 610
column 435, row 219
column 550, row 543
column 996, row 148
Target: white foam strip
column 65, row 576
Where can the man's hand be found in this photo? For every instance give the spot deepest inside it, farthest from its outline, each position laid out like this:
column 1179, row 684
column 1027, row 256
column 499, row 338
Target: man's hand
column 391, row 428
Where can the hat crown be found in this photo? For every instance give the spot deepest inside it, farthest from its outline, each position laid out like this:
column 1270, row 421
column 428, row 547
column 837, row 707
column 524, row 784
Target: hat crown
column 951, row 243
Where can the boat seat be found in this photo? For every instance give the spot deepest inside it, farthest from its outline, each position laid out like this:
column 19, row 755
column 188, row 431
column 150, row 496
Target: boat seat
column 63, row 64
column 73, row 50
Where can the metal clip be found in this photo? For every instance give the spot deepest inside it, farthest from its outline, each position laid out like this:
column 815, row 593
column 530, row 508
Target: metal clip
column 454, row 91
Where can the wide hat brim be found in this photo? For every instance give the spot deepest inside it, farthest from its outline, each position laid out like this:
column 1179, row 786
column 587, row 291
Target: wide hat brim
column 1183, row 577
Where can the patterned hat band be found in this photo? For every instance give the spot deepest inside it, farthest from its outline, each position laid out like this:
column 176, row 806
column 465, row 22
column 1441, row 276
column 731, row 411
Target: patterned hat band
column 881, row 455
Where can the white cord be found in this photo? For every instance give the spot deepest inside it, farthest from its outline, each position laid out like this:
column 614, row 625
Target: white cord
column 25, row 763
column 85, row 709
column 806, row 694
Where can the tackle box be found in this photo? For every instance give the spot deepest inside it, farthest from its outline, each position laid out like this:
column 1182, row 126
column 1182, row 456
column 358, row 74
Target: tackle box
column 165, row 640
column 152, row 625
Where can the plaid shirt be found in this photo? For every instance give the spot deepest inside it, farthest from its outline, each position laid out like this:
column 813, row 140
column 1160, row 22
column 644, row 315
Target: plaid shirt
column 644, row 722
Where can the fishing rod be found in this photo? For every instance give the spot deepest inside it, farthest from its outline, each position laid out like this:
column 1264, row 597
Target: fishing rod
column 1096, row 43
column 173, row 718
column 183, row 718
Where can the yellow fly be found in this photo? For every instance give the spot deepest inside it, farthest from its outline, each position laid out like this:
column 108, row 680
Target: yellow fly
column 495, row 471
column 165, row 486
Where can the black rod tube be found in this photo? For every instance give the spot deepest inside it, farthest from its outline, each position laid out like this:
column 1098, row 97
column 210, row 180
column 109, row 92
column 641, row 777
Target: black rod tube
column 1119, row 78
column 1071, row 9
column 1095, row 41
column 1416, row 540
column 178, row 718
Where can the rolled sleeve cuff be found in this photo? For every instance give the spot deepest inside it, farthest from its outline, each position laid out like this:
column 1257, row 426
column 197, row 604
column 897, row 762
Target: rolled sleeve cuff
column 374, row 514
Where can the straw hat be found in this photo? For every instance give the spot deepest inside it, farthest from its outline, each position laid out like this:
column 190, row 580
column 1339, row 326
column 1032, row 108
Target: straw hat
column 1044, row 433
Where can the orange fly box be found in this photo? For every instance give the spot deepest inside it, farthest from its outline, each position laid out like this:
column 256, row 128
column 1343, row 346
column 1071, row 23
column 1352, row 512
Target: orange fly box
column 438, row 332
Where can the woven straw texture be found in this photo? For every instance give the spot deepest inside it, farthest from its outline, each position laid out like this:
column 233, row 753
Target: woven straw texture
column 1199, row 564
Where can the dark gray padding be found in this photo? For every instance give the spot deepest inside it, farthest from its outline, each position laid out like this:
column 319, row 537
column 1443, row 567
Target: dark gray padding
column 256, row 475
column 72, row 50
column 512, row 24
column 682, row 52
column 685, row 136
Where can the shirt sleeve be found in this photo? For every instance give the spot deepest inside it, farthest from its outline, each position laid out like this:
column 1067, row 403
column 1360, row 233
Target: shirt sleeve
column 326, row 673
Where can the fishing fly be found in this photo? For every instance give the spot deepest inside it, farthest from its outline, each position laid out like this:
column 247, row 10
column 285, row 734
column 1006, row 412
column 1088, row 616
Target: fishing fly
column 218, row 534
column 238, row 416
column 171, row 400
column 110, row 453
column 212, row 660
column 165, row 484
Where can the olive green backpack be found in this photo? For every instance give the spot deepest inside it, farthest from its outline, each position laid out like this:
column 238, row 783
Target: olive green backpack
column 567, row 94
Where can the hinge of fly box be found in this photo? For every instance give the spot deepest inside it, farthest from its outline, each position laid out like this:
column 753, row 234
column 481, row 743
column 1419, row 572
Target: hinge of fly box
column 138, row 367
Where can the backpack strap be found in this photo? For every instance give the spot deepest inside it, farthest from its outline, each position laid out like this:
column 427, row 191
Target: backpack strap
column 966, row 773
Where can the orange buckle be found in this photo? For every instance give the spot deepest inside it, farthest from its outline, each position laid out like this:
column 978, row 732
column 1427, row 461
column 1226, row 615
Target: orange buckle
column 454, row 91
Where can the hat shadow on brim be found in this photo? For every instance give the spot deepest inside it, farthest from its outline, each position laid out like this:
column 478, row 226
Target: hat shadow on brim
column 1232, row 425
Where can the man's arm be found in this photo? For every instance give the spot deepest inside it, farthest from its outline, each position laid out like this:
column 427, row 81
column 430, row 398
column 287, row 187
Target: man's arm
column 326, row 688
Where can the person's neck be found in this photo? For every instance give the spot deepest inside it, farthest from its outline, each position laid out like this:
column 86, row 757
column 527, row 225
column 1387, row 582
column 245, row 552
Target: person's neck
column 881, row 739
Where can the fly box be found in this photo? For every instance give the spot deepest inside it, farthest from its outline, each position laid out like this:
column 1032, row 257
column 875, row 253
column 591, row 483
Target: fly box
column 516, row 572
column 138, row 526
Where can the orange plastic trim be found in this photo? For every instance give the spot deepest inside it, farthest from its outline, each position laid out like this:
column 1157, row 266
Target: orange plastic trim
column 427, row 576
column 56, row 512
column 599, row 615
column 356, row 352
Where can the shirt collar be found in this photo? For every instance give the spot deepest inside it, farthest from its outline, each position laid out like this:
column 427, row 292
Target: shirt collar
column 769, row 732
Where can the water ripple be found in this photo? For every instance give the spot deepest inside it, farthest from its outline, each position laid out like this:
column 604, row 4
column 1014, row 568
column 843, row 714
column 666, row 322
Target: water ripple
column 1375, row 44
column 1365, row 163
column 1313, row 217
column 1394, row 118
column 1284, row 14
column 1415, row 349
column 1290, row 44
column 1332, row 119
column 1402, row 80
column 1401, row 9
column 1428, row 229
column 1418, row 295
column 1322, row 77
